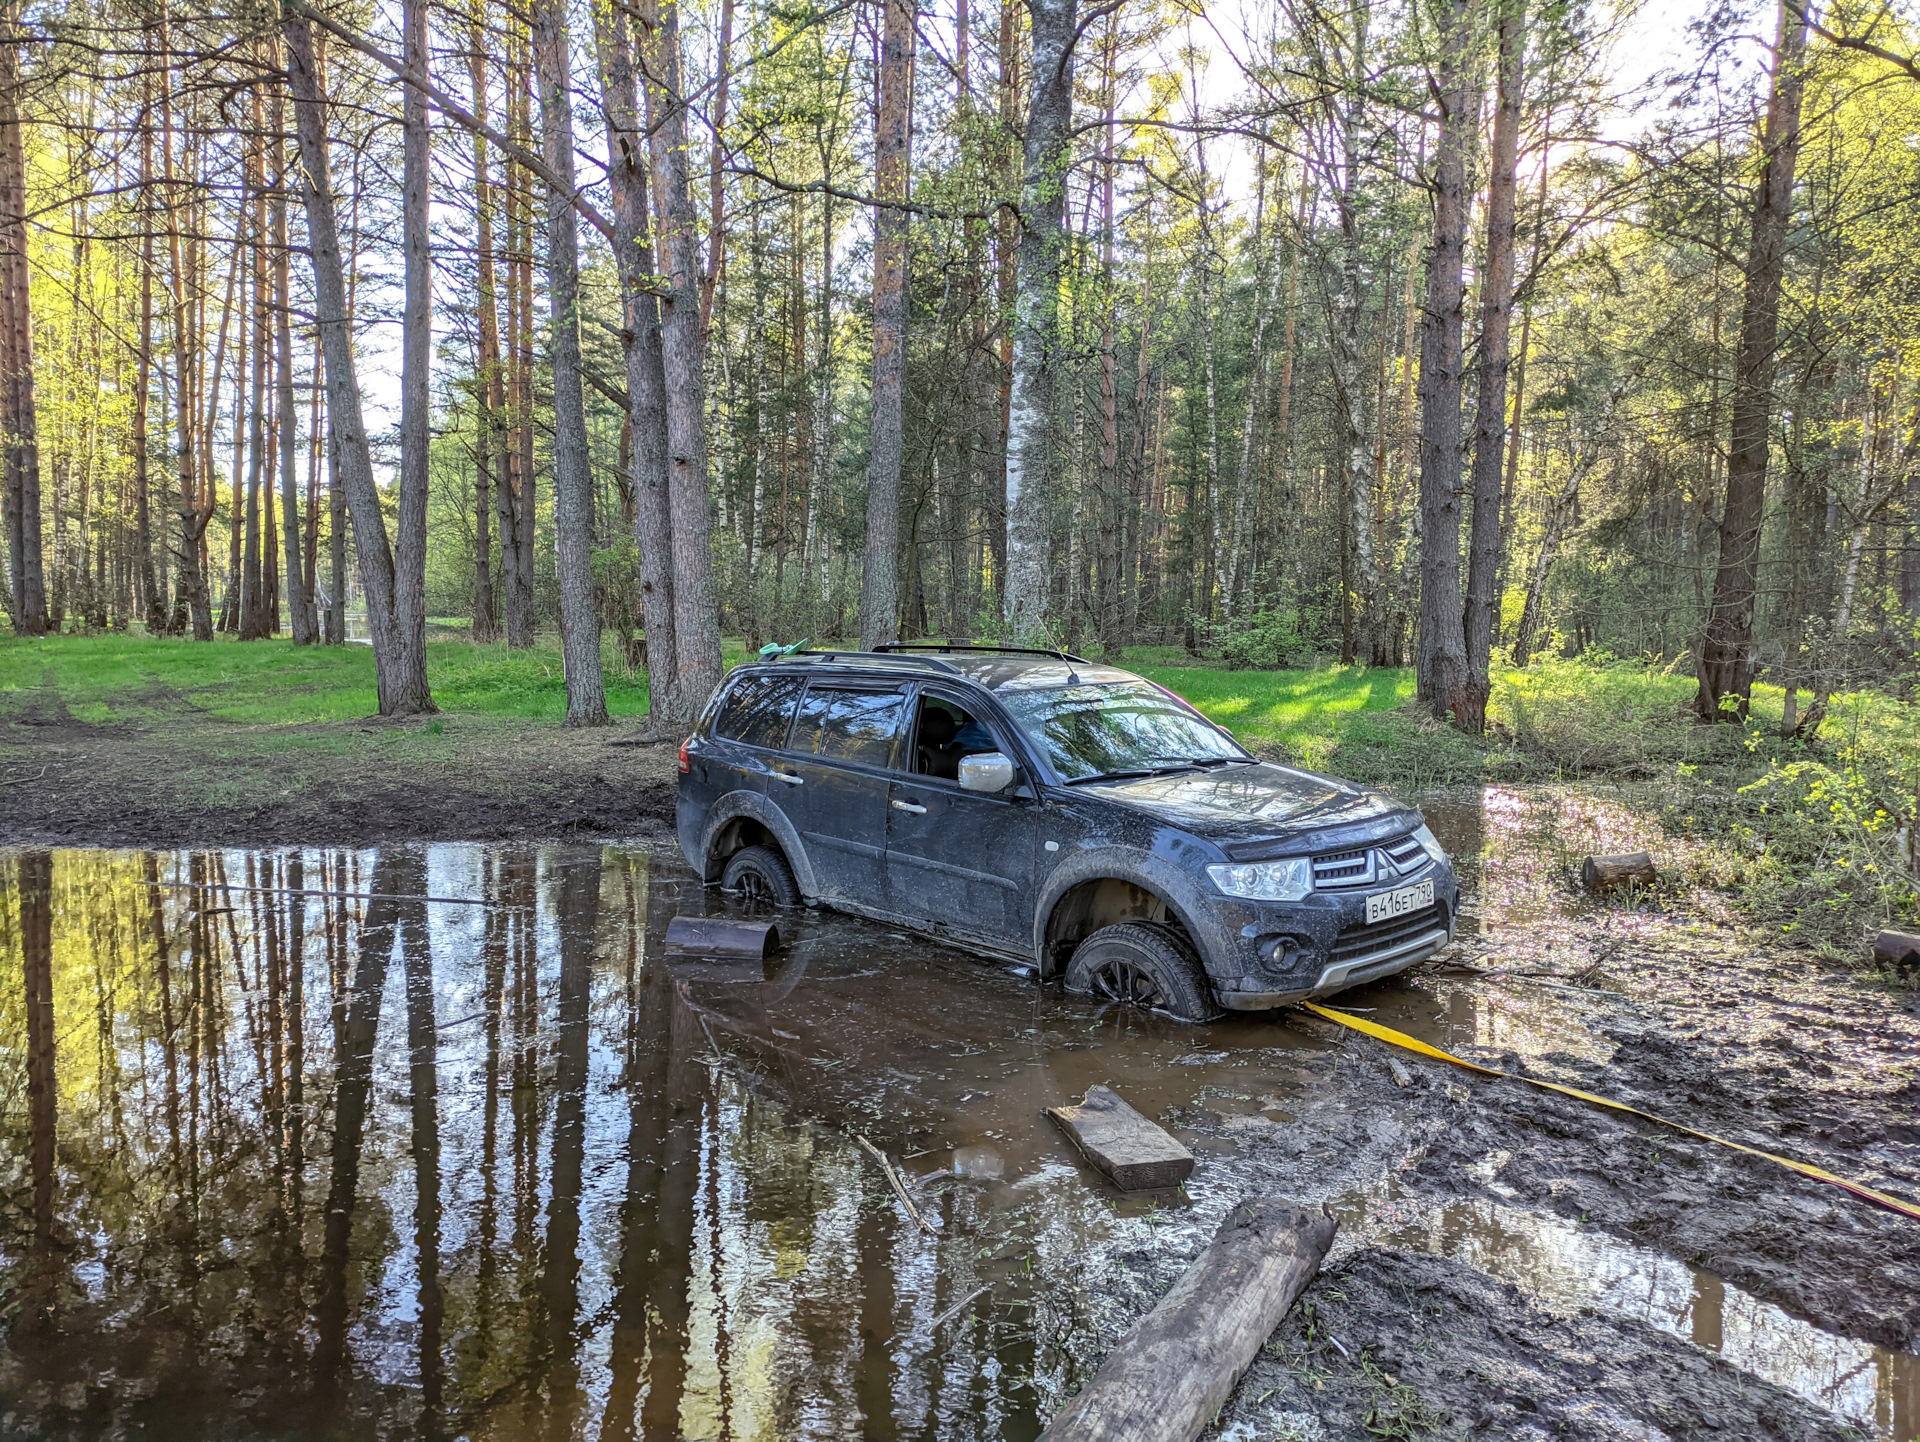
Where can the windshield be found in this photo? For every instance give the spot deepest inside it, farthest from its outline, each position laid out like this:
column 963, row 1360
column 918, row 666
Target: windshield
column 1131, row 729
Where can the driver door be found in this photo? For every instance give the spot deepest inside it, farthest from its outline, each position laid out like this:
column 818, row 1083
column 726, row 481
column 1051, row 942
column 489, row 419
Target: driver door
column 958, row 861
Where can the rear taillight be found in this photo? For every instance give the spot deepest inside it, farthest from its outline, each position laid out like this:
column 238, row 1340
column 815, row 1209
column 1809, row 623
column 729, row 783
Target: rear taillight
column 685, row 765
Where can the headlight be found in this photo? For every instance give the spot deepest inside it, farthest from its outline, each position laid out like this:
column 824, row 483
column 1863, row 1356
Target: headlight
column 1431, row 842
column 1288, row 880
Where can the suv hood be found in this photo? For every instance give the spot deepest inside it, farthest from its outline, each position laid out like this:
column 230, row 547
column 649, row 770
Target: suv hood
column 1252, row 804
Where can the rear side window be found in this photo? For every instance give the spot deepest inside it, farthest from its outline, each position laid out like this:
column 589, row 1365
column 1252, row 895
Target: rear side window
column 758, row 709
column 849, row 725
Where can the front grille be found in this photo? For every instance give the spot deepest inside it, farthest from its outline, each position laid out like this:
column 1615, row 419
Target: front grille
column 1369, row 865
column 1406, row 853
column 1359, row 942
column 1343, row 868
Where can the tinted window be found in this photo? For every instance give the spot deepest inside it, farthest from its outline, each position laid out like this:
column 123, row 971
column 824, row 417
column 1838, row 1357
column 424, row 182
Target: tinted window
column 758, row 709
column 1093, row 730
column 849, row 725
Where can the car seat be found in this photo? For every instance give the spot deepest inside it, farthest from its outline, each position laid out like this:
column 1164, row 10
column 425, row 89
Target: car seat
column 934, row 753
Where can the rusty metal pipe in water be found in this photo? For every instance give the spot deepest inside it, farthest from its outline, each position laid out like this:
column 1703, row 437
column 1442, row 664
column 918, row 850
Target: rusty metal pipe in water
column 721, row 936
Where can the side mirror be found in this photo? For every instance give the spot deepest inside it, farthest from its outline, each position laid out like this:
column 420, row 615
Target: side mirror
column 986, row 771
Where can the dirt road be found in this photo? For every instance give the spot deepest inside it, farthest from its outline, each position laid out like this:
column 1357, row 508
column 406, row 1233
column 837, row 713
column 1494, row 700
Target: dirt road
column 186, row 779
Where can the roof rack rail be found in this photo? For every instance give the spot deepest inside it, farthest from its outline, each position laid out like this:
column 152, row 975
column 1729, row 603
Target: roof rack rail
column 904, row 646
column 877, row 654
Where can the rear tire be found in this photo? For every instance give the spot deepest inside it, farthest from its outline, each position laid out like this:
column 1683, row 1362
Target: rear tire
column 760, row 877
column 1143, row 964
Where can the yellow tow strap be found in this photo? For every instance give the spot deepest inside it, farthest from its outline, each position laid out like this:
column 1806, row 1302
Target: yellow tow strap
column 1414, row 1044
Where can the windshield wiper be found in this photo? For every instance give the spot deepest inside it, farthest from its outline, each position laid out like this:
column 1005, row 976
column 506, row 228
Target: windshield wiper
column 1204, row 761
column 1133, row 775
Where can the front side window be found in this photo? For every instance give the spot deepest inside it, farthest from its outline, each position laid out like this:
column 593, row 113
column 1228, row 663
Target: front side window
column 1124, row 728
column 758, row 710
column 848, row 725
column 944, row 732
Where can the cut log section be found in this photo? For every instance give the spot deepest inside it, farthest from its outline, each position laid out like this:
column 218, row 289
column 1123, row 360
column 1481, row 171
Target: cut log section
column 1131, row 1150
column 1603, row 873
column 1168, row 1376
column 721, row 936
column 1897, row 950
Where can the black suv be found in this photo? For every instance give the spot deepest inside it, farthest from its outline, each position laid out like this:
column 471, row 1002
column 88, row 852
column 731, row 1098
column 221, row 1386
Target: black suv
column 1040, row 806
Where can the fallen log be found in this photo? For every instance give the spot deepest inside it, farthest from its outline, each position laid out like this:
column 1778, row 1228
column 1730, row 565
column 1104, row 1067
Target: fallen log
column 1897, row 950
column 1132, row 1151
column 1603, row 873
column 1167, row 1377
column 722, row 936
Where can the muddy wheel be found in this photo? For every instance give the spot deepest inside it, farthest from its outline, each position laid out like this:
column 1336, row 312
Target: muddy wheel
column 1143, row 965
column 761, row 878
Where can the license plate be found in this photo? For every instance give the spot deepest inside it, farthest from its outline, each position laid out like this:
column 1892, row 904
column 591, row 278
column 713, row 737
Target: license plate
column 1389, row 904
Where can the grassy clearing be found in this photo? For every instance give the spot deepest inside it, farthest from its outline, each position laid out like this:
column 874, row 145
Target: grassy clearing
column 104, row 679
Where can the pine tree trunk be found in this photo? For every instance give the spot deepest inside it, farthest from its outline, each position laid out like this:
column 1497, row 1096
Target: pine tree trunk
column 254, row 623
column 696, row 619
column 1490, row 420
column 572, row 473
column 641, row 340
column 1036, row 314
column 487, row 388
column 1442, row 647
column 879, row 590
column 1726, row 648
column 303, row 619
column 26, row 578
column 400, row 679
column 151, row 590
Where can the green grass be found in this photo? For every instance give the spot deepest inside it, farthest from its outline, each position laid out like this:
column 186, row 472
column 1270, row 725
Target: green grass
column 1308, row 715
column 122, row 678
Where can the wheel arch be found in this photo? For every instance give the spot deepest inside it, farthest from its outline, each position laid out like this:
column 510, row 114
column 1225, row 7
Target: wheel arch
column 741, row 819
column 1102, row 889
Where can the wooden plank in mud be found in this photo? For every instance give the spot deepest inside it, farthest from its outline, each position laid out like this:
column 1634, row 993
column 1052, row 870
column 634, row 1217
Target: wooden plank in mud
column 1132, row 1151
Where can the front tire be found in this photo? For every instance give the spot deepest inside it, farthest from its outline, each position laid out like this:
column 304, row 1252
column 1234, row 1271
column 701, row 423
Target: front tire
column 760, row 877
column 1146, row 965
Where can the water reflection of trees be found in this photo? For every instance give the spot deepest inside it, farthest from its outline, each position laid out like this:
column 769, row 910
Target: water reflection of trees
column 259, row 1168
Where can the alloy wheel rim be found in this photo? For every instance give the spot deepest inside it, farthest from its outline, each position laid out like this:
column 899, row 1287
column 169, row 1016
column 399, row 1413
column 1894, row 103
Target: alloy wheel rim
column 1126, row 982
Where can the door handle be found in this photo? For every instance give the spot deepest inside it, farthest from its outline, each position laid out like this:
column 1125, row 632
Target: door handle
column 789, row 778
column 909, row 806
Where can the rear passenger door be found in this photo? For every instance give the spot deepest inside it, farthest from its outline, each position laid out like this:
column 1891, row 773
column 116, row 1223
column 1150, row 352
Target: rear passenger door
column 753, row 723
column 959, row 861
column 832, row 784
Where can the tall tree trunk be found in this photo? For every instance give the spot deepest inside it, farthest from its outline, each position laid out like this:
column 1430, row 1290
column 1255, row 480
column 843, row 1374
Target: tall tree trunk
column 152, row 591
column 190, row 594
column 1443, row 649
column 572, row 473
column 696, row 629
column 254, row 623
column 640, row 338
column 487, row 391
column 400, row 677
column 26, row 576
column 1043, row 199
column 416, row 397
column 1726, row 648
column 879, row 589
column 302, row 617
column 1490, row 419
column 716, row 179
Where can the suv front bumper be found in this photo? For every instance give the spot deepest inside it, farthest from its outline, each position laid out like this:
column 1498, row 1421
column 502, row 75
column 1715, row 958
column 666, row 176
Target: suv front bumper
column 1262, row 955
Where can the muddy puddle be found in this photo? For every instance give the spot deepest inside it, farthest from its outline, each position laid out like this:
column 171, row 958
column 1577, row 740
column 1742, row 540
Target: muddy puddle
column 286, row 1150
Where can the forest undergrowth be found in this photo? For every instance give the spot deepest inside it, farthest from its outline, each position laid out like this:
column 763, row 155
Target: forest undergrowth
column 1815, row 838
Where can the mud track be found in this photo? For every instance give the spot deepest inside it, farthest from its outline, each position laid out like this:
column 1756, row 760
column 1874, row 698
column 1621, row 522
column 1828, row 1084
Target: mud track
column 186, row 779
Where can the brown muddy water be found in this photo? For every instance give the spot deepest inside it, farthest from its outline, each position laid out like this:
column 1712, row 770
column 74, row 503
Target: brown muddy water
column 287, row 1151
